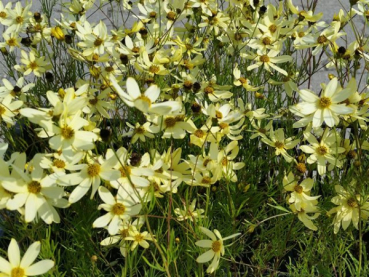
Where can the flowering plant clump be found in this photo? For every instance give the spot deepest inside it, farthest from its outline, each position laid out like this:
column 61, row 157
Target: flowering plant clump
column 128, row 126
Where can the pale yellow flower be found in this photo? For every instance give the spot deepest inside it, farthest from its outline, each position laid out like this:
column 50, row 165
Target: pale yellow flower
column 17, row 267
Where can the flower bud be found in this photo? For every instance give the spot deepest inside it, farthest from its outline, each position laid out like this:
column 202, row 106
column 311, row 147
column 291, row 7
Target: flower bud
column 57, row 33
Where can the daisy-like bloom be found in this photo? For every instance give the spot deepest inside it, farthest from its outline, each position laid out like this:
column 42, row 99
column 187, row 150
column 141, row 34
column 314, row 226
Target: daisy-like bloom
column 34, row 190
column 32, row 64
column 326, row 38
column 327, row 107
column 242, row 81
column 58, row 163
column 4, row 11
column 206, row 133
column 99, row 104
column 216, row 248
column 69, row 138
column 144, row 102
column 173, row 125
column 268, row 60
column 15, row 91
column 139, row 132
column 226, row 157
column 123, row 232
column 130, row 175
column 138, row 238
column 288, row 83
column 9, row 109
column 259, row 129
column 17, row 267
column 17, row 18
column 94, row 41
column 280, row 144
column 303, row 216
column 189, row 212
column 90, row 176
column 213, row 91
column 154, row 67
column 300, row 192
column 349, row 208
column 187, row 47
column 216, row 21
column 246, row 110
column 11, row 40
column 323, row 150
column 120, row 209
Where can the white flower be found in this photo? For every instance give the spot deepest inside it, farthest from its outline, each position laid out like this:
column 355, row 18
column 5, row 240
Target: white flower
column 216, row 248
column 34, row 190
column 328, row 106
column 90, row 176
column 16, row 267
column 144, row 102
column 189, row 212
column 120, row 209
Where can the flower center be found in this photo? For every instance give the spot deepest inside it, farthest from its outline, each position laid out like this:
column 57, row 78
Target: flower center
column 223, row 125
column 93, row 170
column 322, row 39
column 272, row 28
column 264, row 59
column 206, row 180
column 124, row 171
column 209, row 90
column 243, row 80
column 19, row 19
column 118, row 209
column 17, row 272
column 267, row 41
column 135, row 49
column 139, row 238
column 152, row 14
column 322, row 150
column 206, row 161
column 3, row 14
column 224, row 161
column 170, row 122
column 2, row 110
column 124, row 233
column 301, row 167
column 218, row 115
column 67, row 132
column 216, row 246
column 34, row 187
column 325, row 102
column 262, row 130
column 93, row 101
column 140, row 130
column 171, row 15
column 187, row 84
column 98, row 42
column 12, row 42
column 301, row 34
column 199, row 133
column 299, row 189
column 59, row 163
column 279, row 145
column 188, row 46
column 352, row 202
column 33, row 65
column 154, row 69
